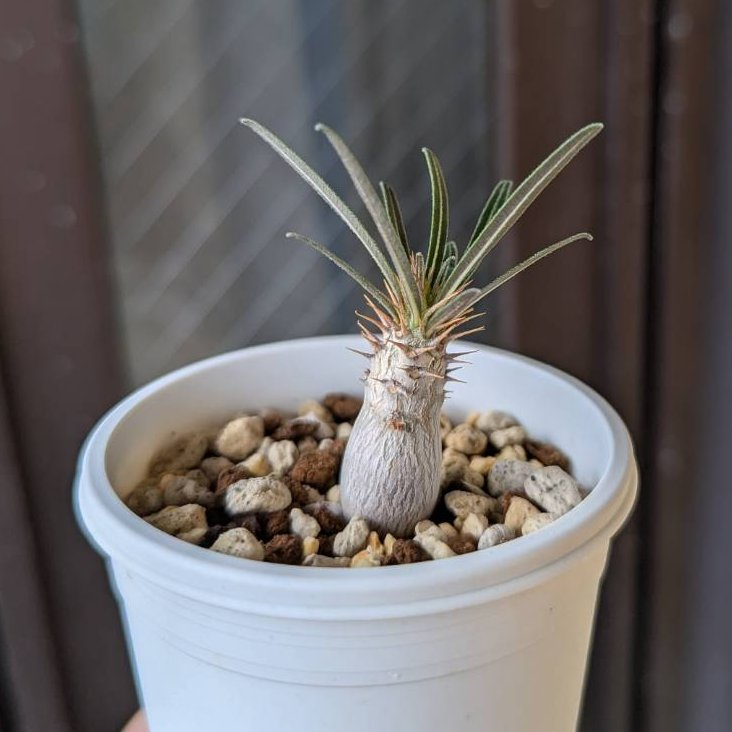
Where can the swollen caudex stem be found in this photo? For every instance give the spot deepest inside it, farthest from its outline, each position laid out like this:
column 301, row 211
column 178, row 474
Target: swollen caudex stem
column 391, row 467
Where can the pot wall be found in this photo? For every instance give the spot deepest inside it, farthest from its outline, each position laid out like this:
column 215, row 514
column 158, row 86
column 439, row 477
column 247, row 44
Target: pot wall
column 493, row 640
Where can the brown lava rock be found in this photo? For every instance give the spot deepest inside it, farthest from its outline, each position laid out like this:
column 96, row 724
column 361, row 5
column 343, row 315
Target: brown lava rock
column 283, row 549
column 230, row 476
column 325, row 544
column 300, row 495
column 318, row 469
column 462, row 544
column 405, row 551
column 272, row 420
column 295, row 429
column 249, row 522
column 275, row 523
column 330, row 523
column 547, row 454
column 345, row 408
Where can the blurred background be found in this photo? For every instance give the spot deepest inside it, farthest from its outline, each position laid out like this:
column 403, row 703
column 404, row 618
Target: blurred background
column 141, row 228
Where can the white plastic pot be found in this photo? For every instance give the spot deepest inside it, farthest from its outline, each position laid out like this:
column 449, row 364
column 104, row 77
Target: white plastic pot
column 494, row 640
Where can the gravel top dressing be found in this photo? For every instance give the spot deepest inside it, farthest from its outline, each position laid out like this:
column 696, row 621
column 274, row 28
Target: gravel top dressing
column 264, row 487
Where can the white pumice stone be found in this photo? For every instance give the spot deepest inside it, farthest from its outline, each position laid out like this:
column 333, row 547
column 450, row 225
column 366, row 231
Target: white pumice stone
column 302, row 524
column 467, row 439
column 318, row 560
column 512, row 452
column 473, row 525
column 184, row 453
column 461, row 503
column 534, row 523
column 553, row 489
column 239, row 543
column 316, row 409
column 496, row 534
column 343, row 430
column 352, row 539
column 282, row 456
column 212, row 466
column 326, row 444
column 145, row 498
column 177, row 520
column 494, row 420
column 508, row 436
column 334, row 494
column 435, row 531
column 436, row 548
column 179, row 490
column 240, row 437
column 194, row 536
column 482, row 464
column 257, row 464
column 257, row 495
column 508, row 476
column 310, row 545
column 518, row 511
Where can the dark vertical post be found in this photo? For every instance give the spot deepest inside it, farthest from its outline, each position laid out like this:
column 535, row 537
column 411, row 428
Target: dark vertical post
column 60, row 371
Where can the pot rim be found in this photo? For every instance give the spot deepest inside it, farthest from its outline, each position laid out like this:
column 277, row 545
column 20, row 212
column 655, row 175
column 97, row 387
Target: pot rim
column 332, row 593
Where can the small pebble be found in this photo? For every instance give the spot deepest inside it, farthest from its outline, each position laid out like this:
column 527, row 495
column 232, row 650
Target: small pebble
column 389, row 540
column 436, row 548
column 553, row 490
column 257, row 495
column 307, row 444
column 366, row 558
column 473, row 477
column 302, row 524
column 310, row 545
column 179, row 490
column 333, row 494
column 511, row 452
column 508, row 476
column 519, row 509
column 145, row 498
column 214, row 466
column 343, row 430
column 494, row 535
column 352, row 539
column 461, row 503
column 454, row 465
column 473, row 525
column 240, row 438
column 272, row 419
column 183, row 454
column 257, row 465
column 547, row 454
column 482, row 464
column 239, row 543
column 283, row 549
column 282, row 456
column 318, row 469
column 508, row 436
column 467, row 439
column 406, row 551
column 494, row 420
column 316, row 409
column 177, row 520
column 534, row 523
column 462, row 544
column 345, row 408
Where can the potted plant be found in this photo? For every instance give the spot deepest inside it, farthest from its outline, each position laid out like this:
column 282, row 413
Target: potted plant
column 496, row 638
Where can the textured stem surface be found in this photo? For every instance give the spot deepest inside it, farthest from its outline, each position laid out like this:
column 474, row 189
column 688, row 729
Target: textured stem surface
column 391, row 468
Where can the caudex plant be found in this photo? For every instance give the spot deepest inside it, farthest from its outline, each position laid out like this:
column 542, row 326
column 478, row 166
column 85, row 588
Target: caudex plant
column 390, row 473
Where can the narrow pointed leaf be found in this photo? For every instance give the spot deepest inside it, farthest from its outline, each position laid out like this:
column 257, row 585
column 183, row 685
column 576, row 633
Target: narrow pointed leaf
column 367, row 286
column 519, row 201
column 369, row 196
column 440, row 213
column 327, row 194
column 394, row 211
column 453, row 307
column 532, row 260
column 498, row 197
